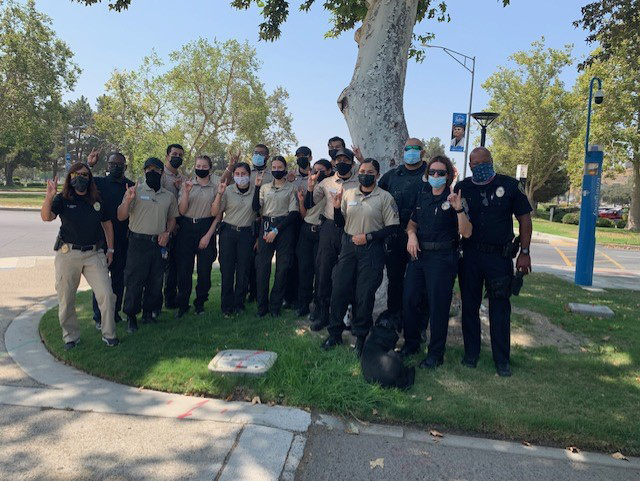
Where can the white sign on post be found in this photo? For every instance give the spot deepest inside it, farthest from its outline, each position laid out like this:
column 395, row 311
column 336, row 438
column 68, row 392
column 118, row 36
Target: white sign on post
column 521, row 171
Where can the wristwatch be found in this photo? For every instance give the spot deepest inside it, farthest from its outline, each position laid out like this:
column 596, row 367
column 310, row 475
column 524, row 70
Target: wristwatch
column 369, row 237
column 525, row 251
column 460, row 211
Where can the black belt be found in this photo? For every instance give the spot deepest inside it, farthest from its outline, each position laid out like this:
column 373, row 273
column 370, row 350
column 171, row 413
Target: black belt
column 274, row 220
column 486, row 248
column 438, row 246
column 191, row 220
column 236, row 228
column 149, row 237
column 312, row 227
column 77, row 247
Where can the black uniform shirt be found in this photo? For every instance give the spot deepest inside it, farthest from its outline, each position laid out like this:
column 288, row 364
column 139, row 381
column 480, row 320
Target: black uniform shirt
column 111, row 192
column 491, row 208
column 436, row 218
column 404, row 185
column 80, row 219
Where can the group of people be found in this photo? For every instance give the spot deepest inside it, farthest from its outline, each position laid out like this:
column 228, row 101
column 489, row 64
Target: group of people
column 332, row 224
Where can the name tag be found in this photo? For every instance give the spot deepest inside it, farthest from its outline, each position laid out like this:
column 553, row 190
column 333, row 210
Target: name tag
column 145, row 197
column 352, row 203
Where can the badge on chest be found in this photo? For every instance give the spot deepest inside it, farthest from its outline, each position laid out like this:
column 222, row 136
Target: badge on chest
column 500, row 192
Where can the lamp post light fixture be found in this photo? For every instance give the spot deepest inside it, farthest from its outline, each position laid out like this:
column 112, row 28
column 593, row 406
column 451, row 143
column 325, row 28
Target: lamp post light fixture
column 484, row 119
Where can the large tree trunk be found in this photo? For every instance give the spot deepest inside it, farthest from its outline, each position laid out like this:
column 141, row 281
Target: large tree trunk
column 9, row 168
column 633, row 222
column 372, row 104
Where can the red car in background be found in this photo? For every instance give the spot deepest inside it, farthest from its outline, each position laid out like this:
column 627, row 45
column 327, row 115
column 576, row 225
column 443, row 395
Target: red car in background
column 613, row 214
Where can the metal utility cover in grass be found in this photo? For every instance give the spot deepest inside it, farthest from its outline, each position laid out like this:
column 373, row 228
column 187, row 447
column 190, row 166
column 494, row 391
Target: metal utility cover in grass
column 590, row 310
column 239, row 361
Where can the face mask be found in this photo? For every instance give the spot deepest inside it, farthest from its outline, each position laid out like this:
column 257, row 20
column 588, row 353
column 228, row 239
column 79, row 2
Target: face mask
column 437, row 182
column 258, row 160
column 116, row 170
column 202, row 173
column 343, row 168
column 303, row 162
column 332, row 153
column 366, row 180
column 176, row 162
column 321, row 177
column 278, row 174
column 482, row 173
column 80, row 184
column 241, row 181
column 153, row 179
column 411, row 156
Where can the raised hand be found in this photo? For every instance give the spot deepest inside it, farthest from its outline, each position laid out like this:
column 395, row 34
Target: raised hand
column 337, row 199
column 455, row 199
column 130, row 194
column 188, row 185
column 259, row 178
column 92, row 158
column 357, row 153
column 52, row 187
column 312, row 180
column 222, row 187
column 233, row 159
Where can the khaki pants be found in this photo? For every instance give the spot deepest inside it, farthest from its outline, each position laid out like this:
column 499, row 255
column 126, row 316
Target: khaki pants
column 93, row 266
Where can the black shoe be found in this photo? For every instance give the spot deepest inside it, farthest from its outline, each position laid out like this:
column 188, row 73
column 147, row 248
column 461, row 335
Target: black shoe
column 331, row 342
column 262, row 314
column 111, row 342
column 431, row 362
column 199, row 310
column 117, row 317
column 471, row 363
column 132, row 324
column 98, row 325
column 315, row 314
column 503, row 370
column 408, row 351
column 302, row 311
column 71, row 344
column 181, row 312
column 357, row 348
column 275, row 313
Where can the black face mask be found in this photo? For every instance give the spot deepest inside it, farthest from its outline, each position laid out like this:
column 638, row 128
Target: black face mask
column 176, row 162
column 278, row 174
column 202, row 173
column 343, row 168
column 321, row 177
column 116, row 171
column 332, row 153
column 303, row 162
column 153, row 179
column 366, row 180
column 80, row 184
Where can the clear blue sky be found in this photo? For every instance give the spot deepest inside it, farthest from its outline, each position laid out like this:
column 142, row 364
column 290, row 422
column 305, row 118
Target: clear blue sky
column 315, row 70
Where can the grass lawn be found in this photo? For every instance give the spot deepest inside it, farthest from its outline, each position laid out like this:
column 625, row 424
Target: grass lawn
column 604, row 235
column 21, row 200
column 589, row 398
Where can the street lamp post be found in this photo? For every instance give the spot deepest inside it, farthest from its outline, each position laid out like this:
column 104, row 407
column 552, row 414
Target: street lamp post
column 590, row 198
column 484, row 119
column 472, row 71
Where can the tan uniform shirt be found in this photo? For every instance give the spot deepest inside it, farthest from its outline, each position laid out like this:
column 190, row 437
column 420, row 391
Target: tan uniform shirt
column 278, row 201
column 266, row 179
column 149, row 210
column 300, row 181
column 313, row 214
column 365, row 214
column 238, row 206
column 200, row 198
column 169, row 179
column 331, row 186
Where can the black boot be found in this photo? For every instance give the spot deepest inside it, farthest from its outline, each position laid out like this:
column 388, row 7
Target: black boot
column 132, row 324
column 331, row 342
column 322, row 321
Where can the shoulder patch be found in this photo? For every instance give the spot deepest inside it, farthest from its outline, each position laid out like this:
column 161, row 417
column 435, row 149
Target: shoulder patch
column 97, row 206
column 521, row 188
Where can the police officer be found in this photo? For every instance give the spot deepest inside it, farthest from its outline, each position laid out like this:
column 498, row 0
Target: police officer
column 277, row 202
column 196, row 237
column 307, row 248
column 368, row 214
column 234, row 203
column 78, row 250
column 433, row 235
column 112, row 189
column 171, row 182
column 492, row 200
column 330, row 238
column 152, row 212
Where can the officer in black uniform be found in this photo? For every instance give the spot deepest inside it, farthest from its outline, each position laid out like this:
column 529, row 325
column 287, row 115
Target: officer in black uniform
column 433, row 235
column 403, row 183
column 492, row 200
column 112, row 188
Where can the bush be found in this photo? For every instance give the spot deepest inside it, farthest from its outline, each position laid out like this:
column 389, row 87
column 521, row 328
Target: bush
column 571, row 218
column 621, row 224
column 560, row 212
column 603, row 222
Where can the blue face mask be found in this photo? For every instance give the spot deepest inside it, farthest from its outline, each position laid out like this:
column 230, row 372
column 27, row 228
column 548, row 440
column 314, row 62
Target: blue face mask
column 257, row 160
column 437, row 182
column 482, row 173
column 411, row 156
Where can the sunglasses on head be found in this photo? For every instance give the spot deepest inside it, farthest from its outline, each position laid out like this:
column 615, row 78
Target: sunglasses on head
column 439, row 172
column 81, row 174
column 412, row 147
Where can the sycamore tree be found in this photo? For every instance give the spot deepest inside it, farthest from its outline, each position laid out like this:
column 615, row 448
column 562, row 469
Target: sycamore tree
column 372, row 103
column 537, row 118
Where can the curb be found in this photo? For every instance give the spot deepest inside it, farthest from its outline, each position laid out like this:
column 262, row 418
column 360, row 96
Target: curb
column 21, row 209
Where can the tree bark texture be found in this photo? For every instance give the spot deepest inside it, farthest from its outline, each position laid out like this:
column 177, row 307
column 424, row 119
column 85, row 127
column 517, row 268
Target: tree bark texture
column 9, row 168
column 633, row 223
column 372, row 104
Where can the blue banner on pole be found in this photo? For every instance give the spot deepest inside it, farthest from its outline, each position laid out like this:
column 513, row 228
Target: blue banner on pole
column 458, row 132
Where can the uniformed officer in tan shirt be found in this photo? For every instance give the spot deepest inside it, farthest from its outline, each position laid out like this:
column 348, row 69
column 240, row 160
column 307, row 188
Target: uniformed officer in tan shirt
column 368, row 214
column 277, row 202
column 152, row 212
column 345, row 178
column 196, row 239
column 234, row 204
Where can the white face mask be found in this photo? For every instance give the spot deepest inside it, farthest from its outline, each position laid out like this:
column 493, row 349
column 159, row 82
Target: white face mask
column 241, row 180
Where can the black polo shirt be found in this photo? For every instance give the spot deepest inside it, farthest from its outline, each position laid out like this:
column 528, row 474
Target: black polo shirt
column 404, row 185
column 111, row 192
column 491, row 208
column 81, row 220
column 436, row 218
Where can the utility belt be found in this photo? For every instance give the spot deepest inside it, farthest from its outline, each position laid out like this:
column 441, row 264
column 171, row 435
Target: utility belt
column 268, row 223
column 226, row 225
column 312, row 227
column 64, row 247
column 439, row 246
column 148, row 237
column 191, row 220
column 508, row 250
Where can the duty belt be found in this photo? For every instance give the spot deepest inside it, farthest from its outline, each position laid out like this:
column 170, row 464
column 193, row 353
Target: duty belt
column 226, row 225
column 312, row 227
column 488, row 248
column 81, row 248
column 149, row 237
column 273, row 220
column 438, row 246
column 191, row 220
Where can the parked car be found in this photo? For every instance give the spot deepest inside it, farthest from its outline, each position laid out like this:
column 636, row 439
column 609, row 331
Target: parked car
column 613, row 214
